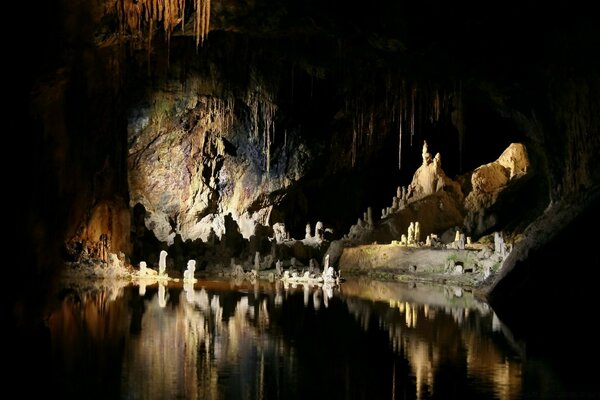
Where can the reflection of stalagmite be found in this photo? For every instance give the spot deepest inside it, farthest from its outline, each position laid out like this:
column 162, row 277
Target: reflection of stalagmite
column 142, row 288
column 162, row 295
column 316, row 300
column 306, row 293
column 278, row 296
column 327, row 294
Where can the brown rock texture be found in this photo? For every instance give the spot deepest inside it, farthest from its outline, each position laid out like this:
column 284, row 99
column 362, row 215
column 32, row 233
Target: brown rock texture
column 490, row 179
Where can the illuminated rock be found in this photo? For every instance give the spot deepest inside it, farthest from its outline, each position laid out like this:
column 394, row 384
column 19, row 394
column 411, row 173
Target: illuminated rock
column 417, row 234
column 162, row 263
column 319, row 231
column 188, row 274
column 430, row 178
column 499, row 245
column 145, row 271
column 410, row 237
column 307, row 234
column 279, row 232
column 493, row 184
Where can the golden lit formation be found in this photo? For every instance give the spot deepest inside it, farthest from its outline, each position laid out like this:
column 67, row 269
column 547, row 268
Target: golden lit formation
column 133, row 14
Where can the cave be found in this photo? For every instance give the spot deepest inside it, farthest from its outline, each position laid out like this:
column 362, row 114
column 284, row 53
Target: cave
column 218, row 131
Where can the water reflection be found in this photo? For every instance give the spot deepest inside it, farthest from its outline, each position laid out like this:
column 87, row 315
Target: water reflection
column 216, row 339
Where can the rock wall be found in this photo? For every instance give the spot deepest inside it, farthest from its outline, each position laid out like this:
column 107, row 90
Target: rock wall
column 195, row 156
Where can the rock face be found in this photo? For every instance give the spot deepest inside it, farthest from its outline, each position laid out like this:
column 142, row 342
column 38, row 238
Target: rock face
column 194, row 158
column 430, row 178
column 503, row 179
column 489, row 180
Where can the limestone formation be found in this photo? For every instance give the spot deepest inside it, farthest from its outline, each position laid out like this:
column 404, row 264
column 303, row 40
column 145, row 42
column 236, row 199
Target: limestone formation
column 461, row 242
column 279, row 267
column 417, row 235
column 326, row 263
column 370, row 216
column 279, row 232
column 313, row 266
column 430, row 178
column 188, row 274
column 411, row 233
column 403, row 240
column 428, row 241
column 489, row 180
column 162, row 262
column 499, row 245
column 319, row 231
column 307, row 234
column 425, row 153
column 142, row 267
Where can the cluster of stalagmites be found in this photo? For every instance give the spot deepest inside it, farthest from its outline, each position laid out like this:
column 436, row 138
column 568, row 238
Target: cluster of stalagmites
column 271, row 252
column 432, row 212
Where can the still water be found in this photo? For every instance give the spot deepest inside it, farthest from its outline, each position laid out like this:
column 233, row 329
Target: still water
column 227, row 340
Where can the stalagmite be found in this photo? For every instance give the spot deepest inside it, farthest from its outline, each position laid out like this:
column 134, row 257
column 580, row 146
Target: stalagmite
column 307, row 229
column 461, row 242
column 319, row 230
column 162, row 262
column 411, row 233
column 188, row 274
column 499, row 245
column 417, row 237
column 428, row 241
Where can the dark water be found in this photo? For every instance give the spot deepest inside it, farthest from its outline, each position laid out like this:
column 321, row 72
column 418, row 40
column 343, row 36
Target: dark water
column 221, row 340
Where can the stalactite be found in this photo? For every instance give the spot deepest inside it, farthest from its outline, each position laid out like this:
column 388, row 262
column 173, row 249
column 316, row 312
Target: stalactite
column 170, row 12
column 412, row 113
column 202, row 8
column 353, row 151
column 400, row 142
column 262, row 116
column 458, row 121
